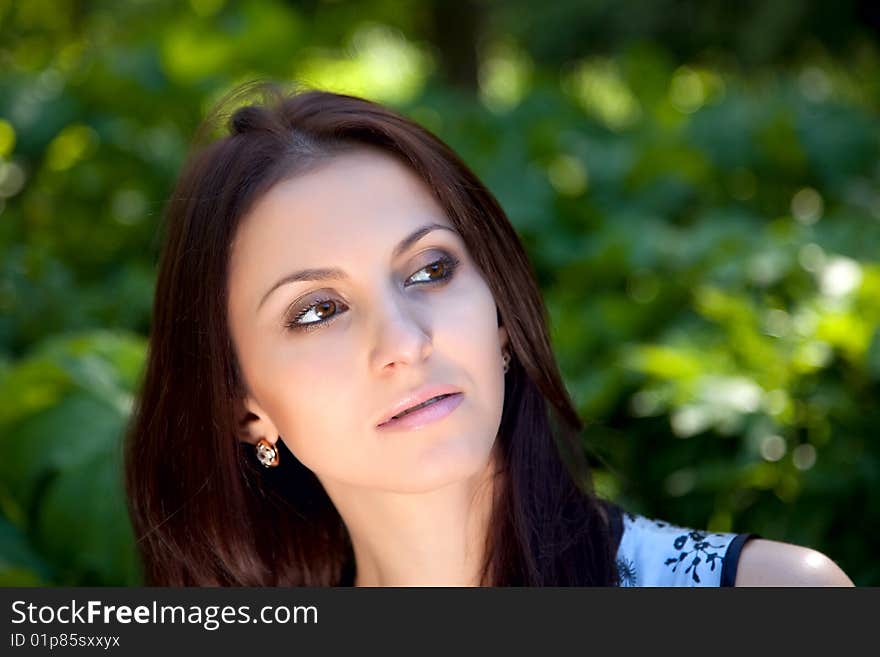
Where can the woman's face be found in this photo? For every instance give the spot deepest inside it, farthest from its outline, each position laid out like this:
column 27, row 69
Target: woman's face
column 325, row 360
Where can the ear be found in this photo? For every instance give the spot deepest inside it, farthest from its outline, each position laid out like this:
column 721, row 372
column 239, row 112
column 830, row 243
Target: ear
column 253, row 422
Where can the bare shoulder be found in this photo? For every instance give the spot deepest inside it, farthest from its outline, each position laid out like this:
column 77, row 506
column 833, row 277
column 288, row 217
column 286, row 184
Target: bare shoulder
column 763, row 562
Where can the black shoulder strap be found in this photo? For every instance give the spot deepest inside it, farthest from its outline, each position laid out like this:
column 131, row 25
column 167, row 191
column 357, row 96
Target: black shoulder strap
column 731, row 558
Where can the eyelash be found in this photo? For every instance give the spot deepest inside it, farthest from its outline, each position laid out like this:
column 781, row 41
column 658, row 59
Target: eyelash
column 449, row 261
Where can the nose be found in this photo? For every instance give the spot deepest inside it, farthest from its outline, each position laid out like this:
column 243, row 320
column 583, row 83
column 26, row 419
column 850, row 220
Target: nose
column 403, row 334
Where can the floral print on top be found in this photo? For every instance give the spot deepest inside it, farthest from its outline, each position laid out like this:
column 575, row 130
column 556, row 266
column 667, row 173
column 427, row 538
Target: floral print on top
column 656, row 553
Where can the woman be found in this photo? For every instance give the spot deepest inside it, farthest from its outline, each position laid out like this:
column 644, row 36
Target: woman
column 329, row 266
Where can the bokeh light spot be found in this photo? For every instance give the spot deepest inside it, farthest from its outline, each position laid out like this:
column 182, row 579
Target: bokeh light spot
column 773, row 448
column 807, row 206
column 568, row 175
column 72, row 144
column 804, row 456
column 7, row 138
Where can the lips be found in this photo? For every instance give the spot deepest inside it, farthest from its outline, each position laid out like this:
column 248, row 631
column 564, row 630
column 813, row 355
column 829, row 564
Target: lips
column 427, row 414
column 418, row 406
column 418, row 397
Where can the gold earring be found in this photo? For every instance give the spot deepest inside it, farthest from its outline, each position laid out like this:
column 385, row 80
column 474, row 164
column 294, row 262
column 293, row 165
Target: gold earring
column 506, row 360
column 267, row 453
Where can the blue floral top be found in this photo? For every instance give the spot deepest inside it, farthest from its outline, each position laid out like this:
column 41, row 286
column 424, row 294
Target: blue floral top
column 656, row 553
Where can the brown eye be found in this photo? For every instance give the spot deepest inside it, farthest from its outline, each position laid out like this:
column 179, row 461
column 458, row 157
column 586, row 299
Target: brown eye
column 437, row 270
column 315, row 314
column 325, row 309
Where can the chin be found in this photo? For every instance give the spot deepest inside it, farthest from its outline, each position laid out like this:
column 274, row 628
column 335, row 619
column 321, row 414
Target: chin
column 442, row 465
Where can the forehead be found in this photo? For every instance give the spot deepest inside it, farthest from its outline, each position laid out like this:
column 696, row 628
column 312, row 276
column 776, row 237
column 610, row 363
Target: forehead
column 351, row 196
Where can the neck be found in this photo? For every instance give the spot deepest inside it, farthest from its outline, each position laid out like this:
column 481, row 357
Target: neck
column 435, row 538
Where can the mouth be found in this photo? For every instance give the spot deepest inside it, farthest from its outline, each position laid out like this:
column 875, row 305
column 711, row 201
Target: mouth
column 427, row 412
column 422, row 405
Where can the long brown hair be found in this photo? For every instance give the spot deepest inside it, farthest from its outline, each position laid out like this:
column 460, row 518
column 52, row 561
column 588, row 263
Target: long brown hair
column 203, row 511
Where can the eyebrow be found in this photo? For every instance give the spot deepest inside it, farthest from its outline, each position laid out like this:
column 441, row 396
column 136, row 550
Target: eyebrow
column 335, row 274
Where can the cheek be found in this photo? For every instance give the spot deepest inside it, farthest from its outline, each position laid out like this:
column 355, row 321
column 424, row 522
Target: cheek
column 316, row 404
column 470, row 345
column 471, row 330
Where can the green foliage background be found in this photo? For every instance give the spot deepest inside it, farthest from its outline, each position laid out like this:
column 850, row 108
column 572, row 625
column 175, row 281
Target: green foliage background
column 699, row 192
